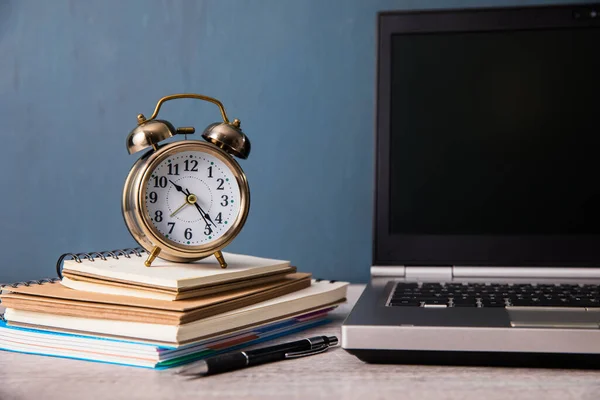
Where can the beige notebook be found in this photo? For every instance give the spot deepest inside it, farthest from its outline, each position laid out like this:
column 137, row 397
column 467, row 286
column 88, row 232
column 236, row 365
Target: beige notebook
column 91, row 284
column 170, row 278
column 318, row 296
column 55, row 299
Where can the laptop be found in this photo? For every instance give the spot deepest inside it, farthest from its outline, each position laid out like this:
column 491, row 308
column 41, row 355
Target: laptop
column 486, row 245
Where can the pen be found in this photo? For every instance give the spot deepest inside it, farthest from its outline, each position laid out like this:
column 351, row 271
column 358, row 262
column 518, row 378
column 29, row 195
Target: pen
column 243, row 359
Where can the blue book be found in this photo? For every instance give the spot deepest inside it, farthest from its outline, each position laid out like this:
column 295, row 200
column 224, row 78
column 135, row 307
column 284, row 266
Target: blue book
column 144, row 354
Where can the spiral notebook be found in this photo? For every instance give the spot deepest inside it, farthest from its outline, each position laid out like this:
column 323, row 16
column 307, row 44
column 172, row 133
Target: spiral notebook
column 122, row 272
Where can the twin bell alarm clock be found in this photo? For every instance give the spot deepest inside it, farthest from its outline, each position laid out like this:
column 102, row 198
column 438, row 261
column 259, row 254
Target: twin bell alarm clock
column 188, row 199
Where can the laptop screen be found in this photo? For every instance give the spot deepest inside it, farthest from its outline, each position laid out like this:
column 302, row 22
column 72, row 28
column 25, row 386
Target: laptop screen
column 495, row 133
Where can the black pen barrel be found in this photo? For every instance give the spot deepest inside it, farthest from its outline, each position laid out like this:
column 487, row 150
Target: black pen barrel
column 226, row 362
column 298, row 345
column 233, row 361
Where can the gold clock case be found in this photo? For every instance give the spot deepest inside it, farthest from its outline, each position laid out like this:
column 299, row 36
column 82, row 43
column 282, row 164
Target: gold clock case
column 135, row 212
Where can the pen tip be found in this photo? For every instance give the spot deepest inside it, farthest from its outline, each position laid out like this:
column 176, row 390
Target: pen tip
column 195, row 369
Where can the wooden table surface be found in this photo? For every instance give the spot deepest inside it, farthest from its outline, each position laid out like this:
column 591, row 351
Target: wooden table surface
column 332, row 375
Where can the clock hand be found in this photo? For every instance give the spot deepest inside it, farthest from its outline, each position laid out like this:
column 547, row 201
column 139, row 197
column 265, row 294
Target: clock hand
column 180, row 207
column 188, row 194
column 178, row 188
column 208, row 218
column 190, row 199
column 203, row 213
column 205, row 221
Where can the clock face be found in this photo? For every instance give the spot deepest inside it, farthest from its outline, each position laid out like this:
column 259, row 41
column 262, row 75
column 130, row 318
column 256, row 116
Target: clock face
column 192, row 198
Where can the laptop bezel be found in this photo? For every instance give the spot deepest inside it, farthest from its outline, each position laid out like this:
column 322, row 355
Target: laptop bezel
column 485, row 250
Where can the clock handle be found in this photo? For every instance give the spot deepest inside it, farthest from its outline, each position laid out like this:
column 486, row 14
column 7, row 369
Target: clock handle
column 141, row 119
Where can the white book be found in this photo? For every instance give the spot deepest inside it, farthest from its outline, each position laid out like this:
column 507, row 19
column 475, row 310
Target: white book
column 175, row 276
column 317, row 296
column 115, row 290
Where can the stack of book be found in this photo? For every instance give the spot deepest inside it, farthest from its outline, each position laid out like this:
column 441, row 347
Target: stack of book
column 112, row 308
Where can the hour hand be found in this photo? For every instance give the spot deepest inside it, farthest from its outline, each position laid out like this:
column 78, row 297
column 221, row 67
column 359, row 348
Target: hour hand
column 177, row 187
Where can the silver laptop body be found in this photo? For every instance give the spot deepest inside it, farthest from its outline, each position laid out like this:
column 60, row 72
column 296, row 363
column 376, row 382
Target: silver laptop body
column 486, row 243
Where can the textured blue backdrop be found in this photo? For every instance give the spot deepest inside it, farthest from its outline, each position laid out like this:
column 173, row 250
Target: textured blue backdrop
column 299, row 74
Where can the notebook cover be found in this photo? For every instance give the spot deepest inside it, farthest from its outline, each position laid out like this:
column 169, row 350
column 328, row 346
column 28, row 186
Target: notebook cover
column 53, row 298
column 177, row 276
column 107, row 285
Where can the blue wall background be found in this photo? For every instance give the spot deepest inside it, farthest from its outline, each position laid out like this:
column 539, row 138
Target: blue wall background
column 299, row 74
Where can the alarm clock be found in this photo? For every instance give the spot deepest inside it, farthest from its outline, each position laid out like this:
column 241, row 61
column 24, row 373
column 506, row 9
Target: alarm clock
column 188, row 199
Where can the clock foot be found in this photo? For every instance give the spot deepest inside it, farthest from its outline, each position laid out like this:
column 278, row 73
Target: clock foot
column 153, row 254
column 220, row 259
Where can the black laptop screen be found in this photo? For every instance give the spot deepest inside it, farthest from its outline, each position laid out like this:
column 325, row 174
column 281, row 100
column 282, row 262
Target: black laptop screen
column 495, row 133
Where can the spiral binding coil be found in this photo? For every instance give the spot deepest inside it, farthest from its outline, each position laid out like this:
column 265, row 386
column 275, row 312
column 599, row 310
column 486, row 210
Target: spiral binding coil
column 29, row 283
column 78, row 257
column 25, row 283
column 102, row 255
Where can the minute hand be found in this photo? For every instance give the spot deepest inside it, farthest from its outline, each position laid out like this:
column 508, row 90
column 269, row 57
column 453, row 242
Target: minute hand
column 203, row 213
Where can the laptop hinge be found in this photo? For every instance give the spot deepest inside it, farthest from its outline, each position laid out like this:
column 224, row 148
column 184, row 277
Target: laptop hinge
column 420, row 272
column 457, row 272
column 525, row 272
column 387, row 271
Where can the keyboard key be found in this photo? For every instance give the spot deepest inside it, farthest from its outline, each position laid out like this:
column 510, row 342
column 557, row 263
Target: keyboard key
column 405, row 303
column 493, row 303
column 405, row 285
column 434, row 301
column 464, row 302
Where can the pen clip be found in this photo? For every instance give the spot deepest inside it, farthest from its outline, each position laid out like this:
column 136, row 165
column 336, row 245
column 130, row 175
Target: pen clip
column 297, row 354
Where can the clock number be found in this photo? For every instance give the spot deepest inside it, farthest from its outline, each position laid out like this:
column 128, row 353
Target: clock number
column 171, row 226
column 188, row 233
column 210, row 172
column 225, row 200
column 174, row 169
column 193, row 163
column 153, row 197
column 160, row 181
column 219, row 218
column 221, row 183
column 207, row 230
column 158, row 216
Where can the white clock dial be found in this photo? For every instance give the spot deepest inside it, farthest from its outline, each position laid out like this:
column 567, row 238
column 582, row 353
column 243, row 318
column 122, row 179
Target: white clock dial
column 192, row 198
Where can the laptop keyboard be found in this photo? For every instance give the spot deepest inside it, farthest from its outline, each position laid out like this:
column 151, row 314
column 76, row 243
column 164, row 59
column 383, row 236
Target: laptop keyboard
column 440, row 295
